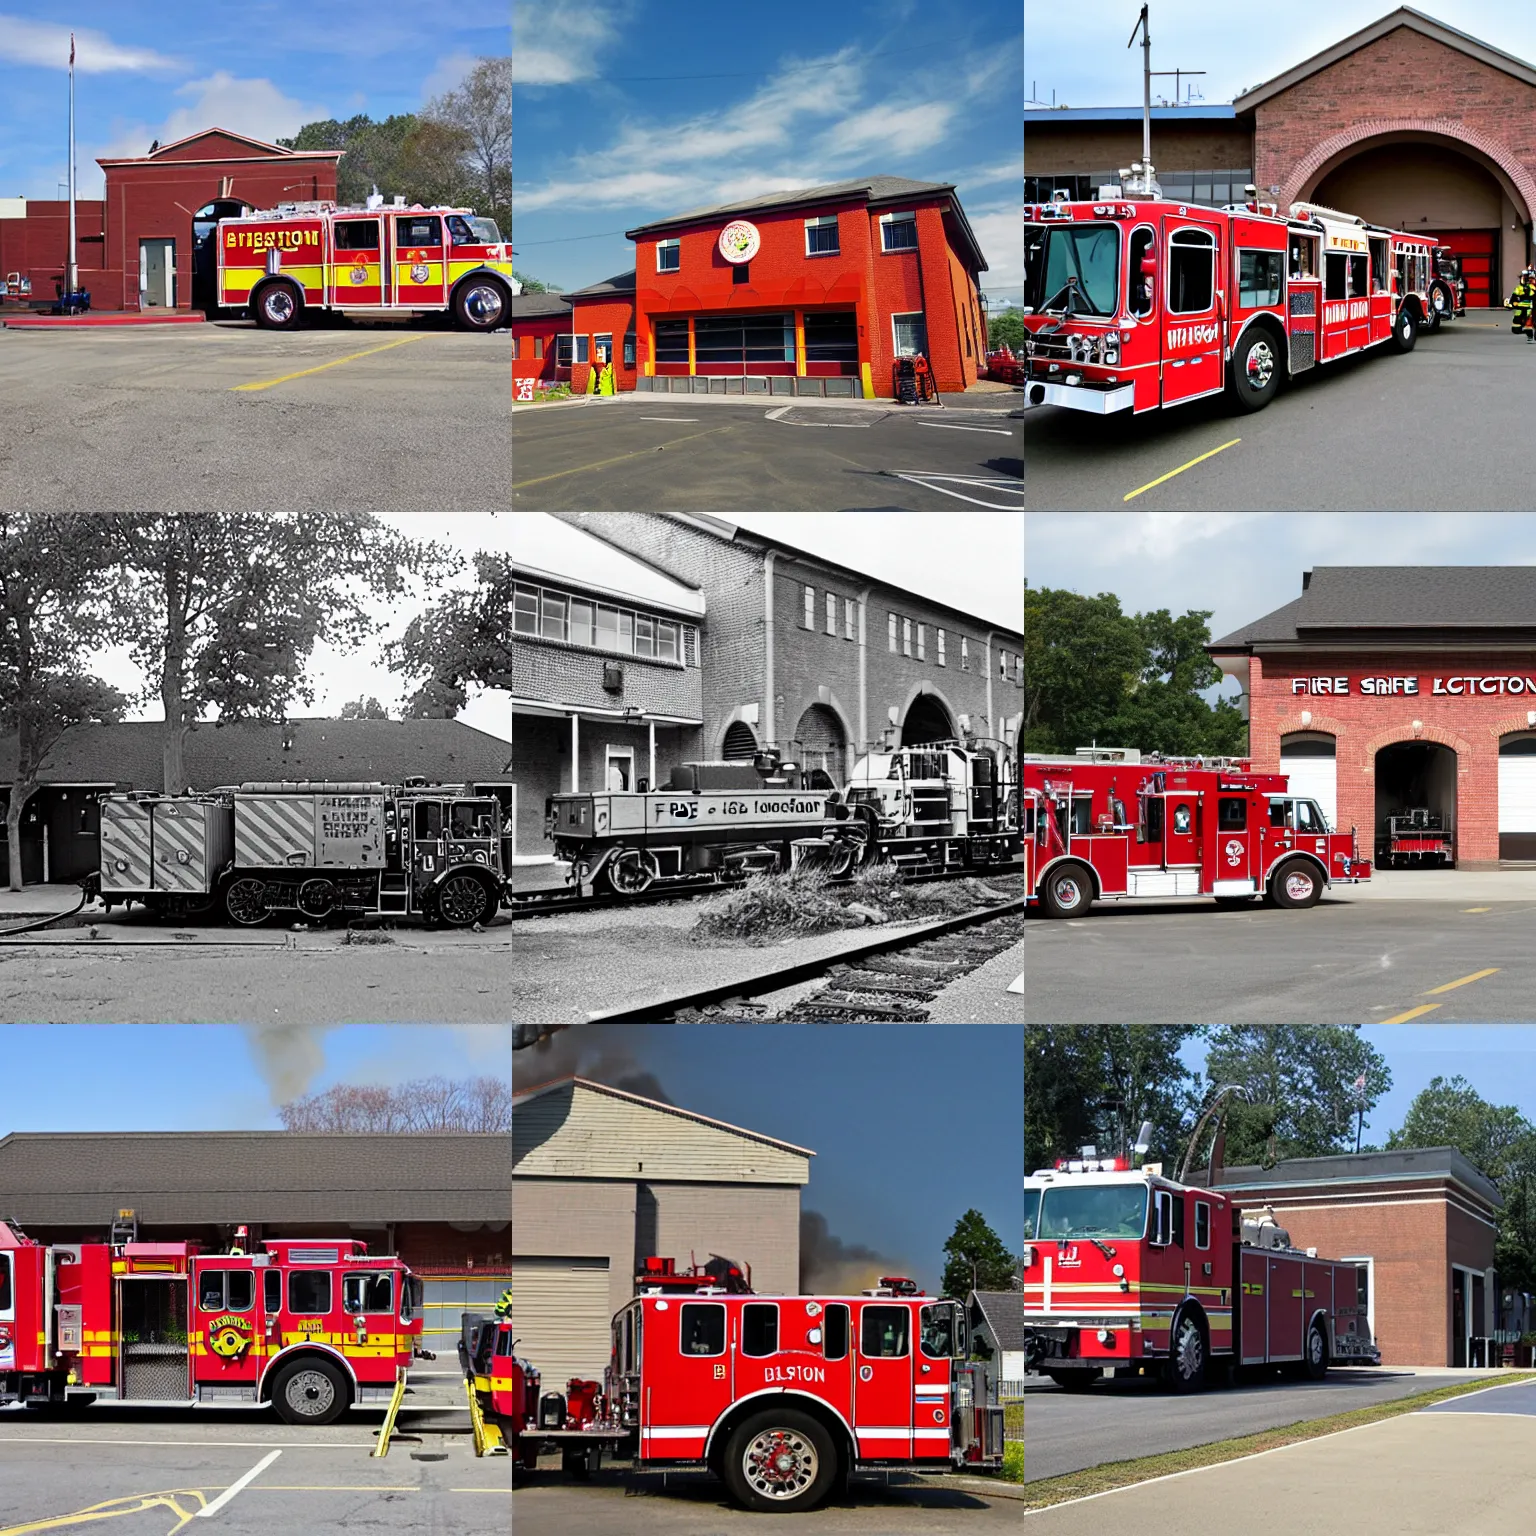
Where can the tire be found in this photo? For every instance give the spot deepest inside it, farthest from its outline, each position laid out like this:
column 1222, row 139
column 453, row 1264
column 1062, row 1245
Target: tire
column 1256, row 369
column 278, row 306
column 1405, row 330
column 243, row 901
column 1314, row 1363
column 1431, row 321
column 1296, row 884
column 310, row 1392
column 780, row 1461
column 1067, row 891
column 1074, row 1381
column 1185, row 1368
column 462, row 900
column 1442, row 302
column 480, row 303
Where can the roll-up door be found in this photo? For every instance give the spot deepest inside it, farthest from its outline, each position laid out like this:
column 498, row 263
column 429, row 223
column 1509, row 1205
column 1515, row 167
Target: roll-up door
column 445, row 1301
column 560, row 1315
column 1517, row 797
column 1311, row 761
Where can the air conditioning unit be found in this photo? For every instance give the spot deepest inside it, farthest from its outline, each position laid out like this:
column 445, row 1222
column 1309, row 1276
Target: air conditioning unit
column 613, row 677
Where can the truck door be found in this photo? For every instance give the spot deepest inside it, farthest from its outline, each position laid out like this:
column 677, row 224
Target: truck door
column 473, row 833
column 941, row 1332
column 1235, row 863
column 426, row 844
column 419, row 263
column 1304, row 296
column 689, row 1356
column 357, row 261
column 882, row 1394
column 227, row 1334
column 368, row 1304
column 1380, row 325
column 1181, row 829
column 1286, row 1300
column 1194, row 319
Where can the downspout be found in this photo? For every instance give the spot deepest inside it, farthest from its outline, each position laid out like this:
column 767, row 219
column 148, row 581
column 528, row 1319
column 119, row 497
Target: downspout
column 992, row 729
column 770, row 729
column 864, row 742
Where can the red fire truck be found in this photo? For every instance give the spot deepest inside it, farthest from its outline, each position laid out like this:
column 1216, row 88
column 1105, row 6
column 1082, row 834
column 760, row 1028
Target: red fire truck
column 1112, row 825
column 310, row 1326
column 1133, row 302
column 1133, row 1272
column 282, row 262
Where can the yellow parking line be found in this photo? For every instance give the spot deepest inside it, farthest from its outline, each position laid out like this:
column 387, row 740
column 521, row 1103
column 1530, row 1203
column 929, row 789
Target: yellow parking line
column 1477, row 909
column 335, row 362
column 519, row 485
column 1412, row 1013
column 1180, row 470
column 1451, row 986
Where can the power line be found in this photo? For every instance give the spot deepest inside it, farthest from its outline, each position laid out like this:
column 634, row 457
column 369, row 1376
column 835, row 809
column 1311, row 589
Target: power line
column 753, row 74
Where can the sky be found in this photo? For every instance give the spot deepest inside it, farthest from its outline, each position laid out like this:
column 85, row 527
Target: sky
column 1242, row 565
column 1079, row 50
column 625, row 111
column 911, row 1124
column 219, row 1077
column 260, row 67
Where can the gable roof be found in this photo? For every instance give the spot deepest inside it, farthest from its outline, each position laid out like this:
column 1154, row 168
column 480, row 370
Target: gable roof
column 619, row 283
column 163, row 151
column 1003, row 1313
column 1403, row 16
column 388, row 751
column 530, row 306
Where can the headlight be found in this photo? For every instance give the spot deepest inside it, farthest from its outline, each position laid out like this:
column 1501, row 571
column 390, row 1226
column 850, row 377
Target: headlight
column 1112, row 349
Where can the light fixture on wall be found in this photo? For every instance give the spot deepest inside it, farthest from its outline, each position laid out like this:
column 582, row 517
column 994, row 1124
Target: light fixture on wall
column 1306, row 718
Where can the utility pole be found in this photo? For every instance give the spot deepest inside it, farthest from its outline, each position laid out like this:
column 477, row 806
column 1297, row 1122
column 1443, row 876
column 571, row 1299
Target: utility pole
column 1146, row 85
column 74, row 268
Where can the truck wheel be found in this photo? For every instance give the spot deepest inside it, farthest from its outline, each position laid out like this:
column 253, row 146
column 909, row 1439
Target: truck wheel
column 1067, row 891
column 480, row 304
column 1255, row 369
column 1296, row 884
column 1074, row 1381
column 1185, row 1370
column 1315, row 1361
column 245, row 901
column 1405, row 330
column 310, row 1392
column 463, row 900
column 780, row 1461
column 277, row 306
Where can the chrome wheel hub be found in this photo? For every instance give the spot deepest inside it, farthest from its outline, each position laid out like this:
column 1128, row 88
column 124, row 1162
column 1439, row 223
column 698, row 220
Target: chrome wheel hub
column 1261, row 364
column 1298, row 886
column 779, row 1464
column 311, row 1393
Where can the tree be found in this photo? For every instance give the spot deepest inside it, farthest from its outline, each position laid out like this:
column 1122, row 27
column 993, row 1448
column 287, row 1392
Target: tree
column 373, row 152
column 51, row 576
column 1300, row 1079
column 222, row 609
column 1006, row 329
column 426, row 1104
column 463, row 640
column 480, row 111
column 533, row 285
column 977, row 1259
column 364, row 709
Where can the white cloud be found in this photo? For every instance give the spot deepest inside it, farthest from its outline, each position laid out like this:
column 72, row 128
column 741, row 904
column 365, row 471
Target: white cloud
column 447, row 74
column 555, row 44
column 1000, row 234
column 46, row 44
column 923, row 124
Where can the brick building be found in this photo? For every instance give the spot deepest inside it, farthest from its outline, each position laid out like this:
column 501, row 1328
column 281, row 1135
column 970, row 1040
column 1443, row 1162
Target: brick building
column 1420, row 1224
column 1383, row 689
column 148, row 243
column 792, row 652
column 1406, row 122
column 538, row 322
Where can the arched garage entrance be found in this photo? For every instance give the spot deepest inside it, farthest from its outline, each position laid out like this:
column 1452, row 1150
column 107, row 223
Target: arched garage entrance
column 1311, row 758
column 1517, row 796
column 1414, row 777
column 927, row 720
column 820, row 746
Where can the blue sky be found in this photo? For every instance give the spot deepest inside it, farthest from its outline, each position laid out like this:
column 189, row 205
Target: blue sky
column 218, row 1077
column 910, row 1124
column 625, row 111
column 261, row 67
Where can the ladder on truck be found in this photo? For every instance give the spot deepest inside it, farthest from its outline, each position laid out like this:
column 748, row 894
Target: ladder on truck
column 488, row 1440
column 388, row 1427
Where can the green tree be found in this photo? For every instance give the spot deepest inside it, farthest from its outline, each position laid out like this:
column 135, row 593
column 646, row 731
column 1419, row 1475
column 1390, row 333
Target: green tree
column 364, row 709
column 1006, row 329
column 977, row 1259
column 463, row 640
column 533, row 285
column 373, row 152
column 1301, row 1084
column 478, row 111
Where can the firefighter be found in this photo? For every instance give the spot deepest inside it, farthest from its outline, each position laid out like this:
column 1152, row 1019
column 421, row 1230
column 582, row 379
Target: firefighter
column 504, row 1304
column 1520, row 301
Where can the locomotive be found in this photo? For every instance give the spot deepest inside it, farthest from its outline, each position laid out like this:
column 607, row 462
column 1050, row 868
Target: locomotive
column 928, row 809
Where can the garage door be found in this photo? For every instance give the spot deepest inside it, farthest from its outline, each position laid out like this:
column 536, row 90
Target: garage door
column 1475, row 247
column 446, row 1301
column 1517, row 797
column 560, row 1313
column 1312, row 763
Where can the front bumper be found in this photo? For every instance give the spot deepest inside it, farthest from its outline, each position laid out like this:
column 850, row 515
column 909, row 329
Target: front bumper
column 1353, row 872
column 1092, row 395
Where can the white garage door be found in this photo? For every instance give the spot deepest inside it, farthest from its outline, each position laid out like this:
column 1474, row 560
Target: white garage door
column 560, row 1314
column 1517, row 796
column 447, row 1299
column 1316, row 778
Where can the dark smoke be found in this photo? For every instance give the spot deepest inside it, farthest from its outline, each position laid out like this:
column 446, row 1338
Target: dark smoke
column 833, row 1267
column 605, row 1053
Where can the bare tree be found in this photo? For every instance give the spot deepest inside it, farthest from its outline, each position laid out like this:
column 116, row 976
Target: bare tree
column 481, row 110
column 427, row 1104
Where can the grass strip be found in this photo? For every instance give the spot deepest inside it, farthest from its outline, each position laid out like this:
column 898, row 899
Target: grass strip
column 1122, row 1474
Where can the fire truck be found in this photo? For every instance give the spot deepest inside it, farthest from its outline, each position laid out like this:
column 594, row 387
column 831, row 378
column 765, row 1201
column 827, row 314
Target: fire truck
column 308, row 1326
column 280, row 263
column 1133, row 302
column 1130, row 1271
column 310, row 847
column 1111, row 825
column 1447, row 287
column 494, row 1381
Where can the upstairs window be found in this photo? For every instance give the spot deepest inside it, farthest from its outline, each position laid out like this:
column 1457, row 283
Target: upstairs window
column 669, row 255
column 906, row 637
column 821, row 236
column 890, row 634
column 831, row 614
column 848, row 620
column 898, row 232
column 922, row 642
column 808, row 619
column 965, row 654
column 940, row 638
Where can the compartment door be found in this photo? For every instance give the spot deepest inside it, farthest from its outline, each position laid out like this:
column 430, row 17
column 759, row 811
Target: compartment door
column 179, row 846
column 356, row 268
column 419, row 262
column 882, row 1392
column 125, row 850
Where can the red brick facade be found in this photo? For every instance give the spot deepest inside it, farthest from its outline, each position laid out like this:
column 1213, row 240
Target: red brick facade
column 534, row 346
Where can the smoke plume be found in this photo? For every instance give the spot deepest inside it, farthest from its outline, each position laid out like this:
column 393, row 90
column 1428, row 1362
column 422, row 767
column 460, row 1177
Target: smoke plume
column 833, row 1267
column 604, row 1053
column 289, row 1056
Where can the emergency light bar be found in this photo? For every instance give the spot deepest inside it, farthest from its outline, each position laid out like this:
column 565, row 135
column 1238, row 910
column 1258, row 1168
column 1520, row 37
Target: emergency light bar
column 1092, row 1165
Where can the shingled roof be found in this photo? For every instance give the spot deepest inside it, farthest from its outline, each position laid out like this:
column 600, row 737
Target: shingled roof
column 534, row 306
column 1003, row 1314
column 621, row 283
column 194, row 1177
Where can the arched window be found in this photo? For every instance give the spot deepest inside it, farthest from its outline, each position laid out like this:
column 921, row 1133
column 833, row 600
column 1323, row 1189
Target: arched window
column 740, row 743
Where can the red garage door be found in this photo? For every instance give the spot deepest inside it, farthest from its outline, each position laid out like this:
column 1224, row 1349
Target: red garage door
column 1476, row 248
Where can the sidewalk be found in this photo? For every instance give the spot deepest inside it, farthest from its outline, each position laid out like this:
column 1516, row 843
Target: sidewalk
column 987, row 401
column 37, row 901
column 1468, row 885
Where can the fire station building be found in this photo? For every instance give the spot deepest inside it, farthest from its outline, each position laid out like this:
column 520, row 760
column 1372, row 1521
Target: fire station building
column 1421, row 1225
column 148, row 244
column 1407, row 122
column 602, row 1179
column 539, row 320
column 439, row 1200
column 1388, row 689
column 640, row 640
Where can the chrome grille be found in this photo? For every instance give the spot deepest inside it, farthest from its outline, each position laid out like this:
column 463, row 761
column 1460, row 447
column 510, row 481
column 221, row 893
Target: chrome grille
column 1302, row 355
column 1304, row 302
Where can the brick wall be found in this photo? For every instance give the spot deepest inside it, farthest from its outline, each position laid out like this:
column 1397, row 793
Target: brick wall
column 611, row 317
column 1470, row 725
column 435, row 1245
column 1084, row 149
column 566, row 674
column 526, row 333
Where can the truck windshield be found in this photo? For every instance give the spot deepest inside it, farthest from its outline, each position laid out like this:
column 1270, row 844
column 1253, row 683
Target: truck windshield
column 1094, row 1210
column 1031, row 1212
column 1088, row 252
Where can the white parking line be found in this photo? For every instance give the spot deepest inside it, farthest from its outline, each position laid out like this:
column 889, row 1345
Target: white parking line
column 208, row 1511
column 669, row 418
column 950, row 426
column 1004, row 486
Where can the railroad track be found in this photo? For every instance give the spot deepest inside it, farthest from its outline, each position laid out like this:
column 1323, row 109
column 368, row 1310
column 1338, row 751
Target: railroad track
column 892, row 979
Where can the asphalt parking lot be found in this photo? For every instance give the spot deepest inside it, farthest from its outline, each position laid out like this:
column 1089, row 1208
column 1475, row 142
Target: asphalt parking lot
column 374, row 417
column 147, row 1472
column 1425, row 431
column 1371, row 962
column 687, row 453
column 1119, row 1420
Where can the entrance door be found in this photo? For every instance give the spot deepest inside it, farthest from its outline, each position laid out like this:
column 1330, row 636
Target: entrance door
column 1478, row 250
column 1460, row 1315
column 1196, row 310
column 357, row 261
column 620, row 767
column 228, row 1329
column 1181, row 830
column 157, row 274
column 419, row 265
column 882, row 1395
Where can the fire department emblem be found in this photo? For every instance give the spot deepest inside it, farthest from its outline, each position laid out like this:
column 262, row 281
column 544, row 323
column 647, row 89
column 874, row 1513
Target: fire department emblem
column 420, row 272
column 358, row 275
column 1066, row 1257
column 1234, row 852
column 229, row 1337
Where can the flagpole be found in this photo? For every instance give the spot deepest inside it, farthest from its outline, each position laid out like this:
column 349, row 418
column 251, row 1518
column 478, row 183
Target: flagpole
column 74, row 269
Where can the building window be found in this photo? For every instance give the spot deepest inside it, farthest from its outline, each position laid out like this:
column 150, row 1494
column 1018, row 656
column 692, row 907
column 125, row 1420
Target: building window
column 645, row 636
column 898, row 232
column 602, row 348
column 581, row 349
column 1212, row 188
column 1018, row 670
column 581, row 621
column 891, row 635
column 906, row 637
column 965, row 654
column 629, row 350
column 669, row 255
column 626, row 633
column 832, row 337
column 563, row 350
column 525, row 610
column 538, row 347
column 808, row 619
column 922, row 642
column 741, row 272
column 666, row 641
column 553, row 627
column 939, row 637
column 671, row 341
column 608, row 629
column 848, row 618
column 821, row 236
column 1002, row 665
column 910, row 334
column 831, row 614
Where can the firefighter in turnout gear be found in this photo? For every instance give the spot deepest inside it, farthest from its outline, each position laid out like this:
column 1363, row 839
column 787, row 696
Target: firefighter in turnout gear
column 504, row 1304
column 1520, row 302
